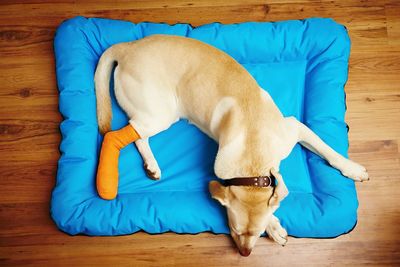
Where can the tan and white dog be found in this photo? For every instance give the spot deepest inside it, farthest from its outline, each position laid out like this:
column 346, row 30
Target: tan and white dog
column 160, row 79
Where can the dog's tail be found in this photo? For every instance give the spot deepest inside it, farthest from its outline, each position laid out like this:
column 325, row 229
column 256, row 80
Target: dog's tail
column 102, row 84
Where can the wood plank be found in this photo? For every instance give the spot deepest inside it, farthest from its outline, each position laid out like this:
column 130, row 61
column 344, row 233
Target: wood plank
column 393, row 21
column 124, row 252
column 381, row 109
column 21, row 80
column 35, row 178
column 46, row 13
column 365, row 20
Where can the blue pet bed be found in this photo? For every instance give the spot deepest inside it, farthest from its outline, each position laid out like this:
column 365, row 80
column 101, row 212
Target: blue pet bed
column 303, row 65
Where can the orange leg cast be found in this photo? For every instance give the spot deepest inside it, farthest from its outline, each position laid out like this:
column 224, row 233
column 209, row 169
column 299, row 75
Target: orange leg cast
column 107, row 172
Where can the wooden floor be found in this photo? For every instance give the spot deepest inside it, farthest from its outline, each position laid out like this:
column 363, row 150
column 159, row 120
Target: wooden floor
column 29, row 137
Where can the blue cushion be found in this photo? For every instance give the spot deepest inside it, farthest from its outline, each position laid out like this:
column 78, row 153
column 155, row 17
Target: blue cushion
column 303, row 65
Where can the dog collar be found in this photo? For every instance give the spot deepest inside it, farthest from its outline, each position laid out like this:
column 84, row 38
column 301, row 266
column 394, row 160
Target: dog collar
column 258, row 181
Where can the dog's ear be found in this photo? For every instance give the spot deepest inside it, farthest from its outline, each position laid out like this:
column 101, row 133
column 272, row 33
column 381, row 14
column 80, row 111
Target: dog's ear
column 280, row 191
column 218, row 192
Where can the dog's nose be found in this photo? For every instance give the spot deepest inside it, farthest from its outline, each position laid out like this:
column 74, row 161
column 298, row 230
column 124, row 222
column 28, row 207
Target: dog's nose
column 245, row 252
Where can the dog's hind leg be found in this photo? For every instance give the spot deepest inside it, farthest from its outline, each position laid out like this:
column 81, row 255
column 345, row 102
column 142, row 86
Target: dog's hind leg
column 149, row 162
column 147, row 124
column 311, row 141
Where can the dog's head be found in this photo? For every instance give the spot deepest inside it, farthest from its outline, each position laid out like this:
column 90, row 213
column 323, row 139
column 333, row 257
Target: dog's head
column 249, row 209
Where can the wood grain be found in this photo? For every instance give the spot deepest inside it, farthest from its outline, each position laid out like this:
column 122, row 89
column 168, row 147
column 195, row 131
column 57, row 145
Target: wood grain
column 29, row 137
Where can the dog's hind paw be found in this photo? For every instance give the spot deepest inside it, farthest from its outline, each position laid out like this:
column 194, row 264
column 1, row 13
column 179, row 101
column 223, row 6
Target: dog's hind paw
column 152, row 171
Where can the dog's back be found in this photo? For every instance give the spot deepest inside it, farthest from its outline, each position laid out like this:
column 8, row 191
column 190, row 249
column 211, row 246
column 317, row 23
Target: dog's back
column 162, row 78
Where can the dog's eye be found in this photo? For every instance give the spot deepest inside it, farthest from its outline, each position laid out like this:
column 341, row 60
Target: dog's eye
column 237, row 232
column 233, row 229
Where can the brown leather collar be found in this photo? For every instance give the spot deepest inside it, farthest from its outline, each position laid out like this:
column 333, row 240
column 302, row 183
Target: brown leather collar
column 261, row 181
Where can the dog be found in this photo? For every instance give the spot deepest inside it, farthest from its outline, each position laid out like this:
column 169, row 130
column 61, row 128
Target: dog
column 161, row 79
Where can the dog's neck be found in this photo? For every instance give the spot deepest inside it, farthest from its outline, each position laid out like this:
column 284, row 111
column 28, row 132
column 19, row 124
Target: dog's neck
column 252, row 138
column 247, row 151
column 238, row 159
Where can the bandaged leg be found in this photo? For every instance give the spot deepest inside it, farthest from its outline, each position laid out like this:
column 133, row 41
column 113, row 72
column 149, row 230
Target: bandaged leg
column 107, row 172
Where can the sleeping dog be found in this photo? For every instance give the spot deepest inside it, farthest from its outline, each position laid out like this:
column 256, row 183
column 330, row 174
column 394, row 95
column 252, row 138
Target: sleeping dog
column 161, row 79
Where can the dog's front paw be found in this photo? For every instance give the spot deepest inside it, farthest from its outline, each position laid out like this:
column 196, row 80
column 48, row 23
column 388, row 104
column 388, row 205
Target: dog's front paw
column 276, row 232
column 152, row 170
column 354, row 171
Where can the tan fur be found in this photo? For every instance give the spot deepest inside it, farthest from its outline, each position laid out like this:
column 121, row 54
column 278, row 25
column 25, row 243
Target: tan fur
column 102, row 80
column 160, row 79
